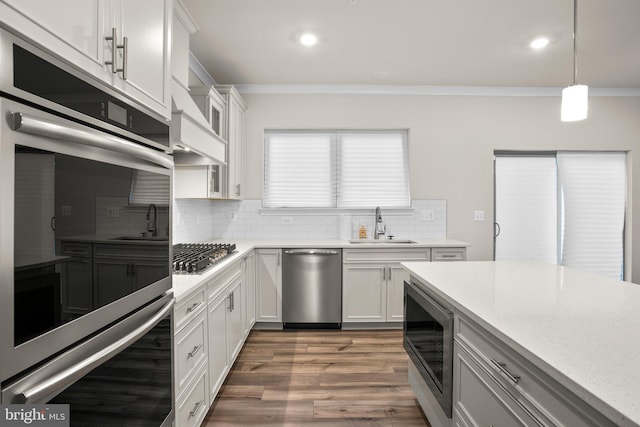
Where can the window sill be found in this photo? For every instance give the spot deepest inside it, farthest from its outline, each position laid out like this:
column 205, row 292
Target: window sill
column 335, row 211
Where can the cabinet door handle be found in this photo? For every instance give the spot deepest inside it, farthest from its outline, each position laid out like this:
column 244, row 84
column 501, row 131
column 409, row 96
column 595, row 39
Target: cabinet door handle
column 193, row 307
column 125, row 53
column 278, row 258
column 194, row 411
column 384, row 273
column 114, row 55
column 113, row 39
column 502, row 367
column 194, row 351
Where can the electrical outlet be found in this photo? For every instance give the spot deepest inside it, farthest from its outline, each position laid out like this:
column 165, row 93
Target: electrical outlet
column 428, row 215
column 287, row 220
column 478, row 215
column 66, row 210
column 233, row 216
column 113, row 212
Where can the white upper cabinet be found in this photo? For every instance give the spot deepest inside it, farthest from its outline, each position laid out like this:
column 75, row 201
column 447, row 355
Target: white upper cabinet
column 146, row 58
column 77, row 31
column 73, row 29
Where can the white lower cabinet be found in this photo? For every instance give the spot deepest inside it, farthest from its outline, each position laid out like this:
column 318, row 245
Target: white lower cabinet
column 373, row 283
column 249, row 281
column 269, row 285
column 190, row 359
column 211, row 325
column 494, row 385
column 192, row 407
column 225, row 317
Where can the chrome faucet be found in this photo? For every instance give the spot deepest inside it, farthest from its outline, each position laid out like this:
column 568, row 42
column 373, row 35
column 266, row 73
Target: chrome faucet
column 152, row 224
column 380, row 226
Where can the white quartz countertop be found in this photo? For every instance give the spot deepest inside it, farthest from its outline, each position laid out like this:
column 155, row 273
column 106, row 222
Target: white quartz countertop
column 184, row 284
column 580, row 328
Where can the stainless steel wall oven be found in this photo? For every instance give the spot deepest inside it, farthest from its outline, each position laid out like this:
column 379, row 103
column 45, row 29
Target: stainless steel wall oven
column 428, row 340
column 85, row 214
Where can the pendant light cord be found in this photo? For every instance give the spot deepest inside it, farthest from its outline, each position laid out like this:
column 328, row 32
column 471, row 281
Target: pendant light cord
column 575, row 42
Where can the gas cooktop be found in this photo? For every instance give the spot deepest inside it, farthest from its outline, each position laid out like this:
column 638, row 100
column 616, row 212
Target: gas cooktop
column 195, row 257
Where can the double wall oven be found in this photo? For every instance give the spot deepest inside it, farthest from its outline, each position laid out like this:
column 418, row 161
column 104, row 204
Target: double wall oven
column 85, row 247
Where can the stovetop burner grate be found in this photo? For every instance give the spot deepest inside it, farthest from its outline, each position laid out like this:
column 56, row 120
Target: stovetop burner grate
column 195, row 257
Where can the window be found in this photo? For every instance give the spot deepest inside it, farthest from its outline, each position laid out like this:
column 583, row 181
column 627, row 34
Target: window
column 341, row 169
column 565, row 207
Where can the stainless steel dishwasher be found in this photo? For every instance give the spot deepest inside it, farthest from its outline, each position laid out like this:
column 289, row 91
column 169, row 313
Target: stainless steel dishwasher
column 312, row 288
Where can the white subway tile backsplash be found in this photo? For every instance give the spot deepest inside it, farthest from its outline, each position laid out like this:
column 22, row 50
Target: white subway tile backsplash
column 200, row 220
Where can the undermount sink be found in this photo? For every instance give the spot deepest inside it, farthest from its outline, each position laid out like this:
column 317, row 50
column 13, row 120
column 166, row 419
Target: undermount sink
column 146, row 238
column 382, row 241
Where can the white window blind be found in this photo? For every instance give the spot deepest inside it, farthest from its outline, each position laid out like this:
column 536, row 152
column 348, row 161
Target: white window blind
column 299, row 170
column 526, row 208
column 594, row 196
column 148, row 188
column 329, row 169
column 373, row 169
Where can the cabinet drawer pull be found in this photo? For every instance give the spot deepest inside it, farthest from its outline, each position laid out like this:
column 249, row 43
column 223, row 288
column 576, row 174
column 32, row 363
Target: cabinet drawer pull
column 193, row 307
column 194, row 411
column 503, row 368
column 448, row 255
column 194, row 351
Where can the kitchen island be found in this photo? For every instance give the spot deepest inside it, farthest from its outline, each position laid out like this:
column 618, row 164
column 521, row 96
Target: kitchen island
column 574, row 331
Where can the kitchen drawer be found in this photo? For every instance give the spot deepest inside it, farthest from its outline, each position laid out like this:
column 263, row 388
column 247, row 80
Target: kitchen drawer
column 448, row 254
column 190, row 350
column 77, row 249
column 386, row 255
column 480, row 399
column 223, row 279
column 542, row 395
column 187, row 310
column 192, row 408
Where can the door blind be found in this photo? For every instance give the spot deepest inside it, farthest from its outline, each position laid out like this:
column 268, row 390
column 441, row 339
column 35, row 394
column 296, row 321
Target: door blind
column 594, row 196
column 526, row 208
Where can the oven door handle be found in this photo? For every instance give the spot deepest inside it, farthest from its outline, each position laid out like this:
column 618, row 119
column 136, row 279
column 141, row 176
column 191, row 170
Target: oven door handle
column 65, row 378
column 26, row 123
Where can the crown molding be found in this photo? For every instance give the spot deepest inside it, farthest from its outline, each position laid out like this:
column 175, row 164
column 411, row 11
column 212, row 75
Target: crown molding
column 304, row 89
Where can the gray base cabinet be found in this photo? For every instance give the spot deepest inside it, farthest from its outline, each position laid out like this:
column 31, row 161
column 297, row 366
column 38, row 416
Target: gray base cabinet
column 493, row 385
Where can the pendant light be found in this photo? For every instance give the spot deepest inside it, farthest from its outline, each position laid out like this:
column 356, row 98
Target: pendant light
column 575, row 98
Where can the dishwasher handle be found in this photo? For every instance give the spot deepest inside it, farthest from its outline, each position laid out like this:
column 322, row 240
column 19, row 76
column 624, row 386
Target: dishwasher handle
column 311, row 252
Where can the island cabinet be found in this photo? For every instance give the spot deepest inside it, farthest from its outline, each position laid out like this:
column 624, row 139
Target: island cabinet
column 79, row 33
column 494, row 385
column 269, row 285
column 77, row 279
column 119, row 269
column 372, row 283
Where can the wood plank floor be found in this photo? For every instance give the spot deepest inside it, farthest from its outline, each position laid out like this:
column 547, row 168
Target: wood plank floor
column 318, row 378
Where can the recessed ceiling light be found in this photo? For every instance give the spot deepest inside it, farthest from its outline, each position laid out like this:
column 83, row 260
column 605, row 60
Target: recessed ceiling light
column 539, row 43
column 308, row 39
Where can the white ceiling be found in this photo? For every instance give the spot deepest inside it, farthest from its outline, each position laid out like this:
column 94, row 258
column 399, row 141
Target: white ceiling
column 418, row 42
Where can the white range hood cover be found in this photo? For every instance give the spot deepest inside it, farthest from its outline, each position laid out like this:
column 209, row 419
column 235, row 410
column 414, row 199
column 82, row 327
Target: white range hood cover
column 189, row 127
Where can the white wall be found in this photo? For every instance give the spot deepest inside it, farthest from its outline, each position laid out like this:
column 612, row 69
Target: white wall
column 451, row 142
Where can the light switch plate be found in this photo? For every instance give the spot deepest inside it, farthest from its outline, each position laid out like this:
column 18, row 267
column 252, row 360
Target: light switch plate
column 478, row 215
